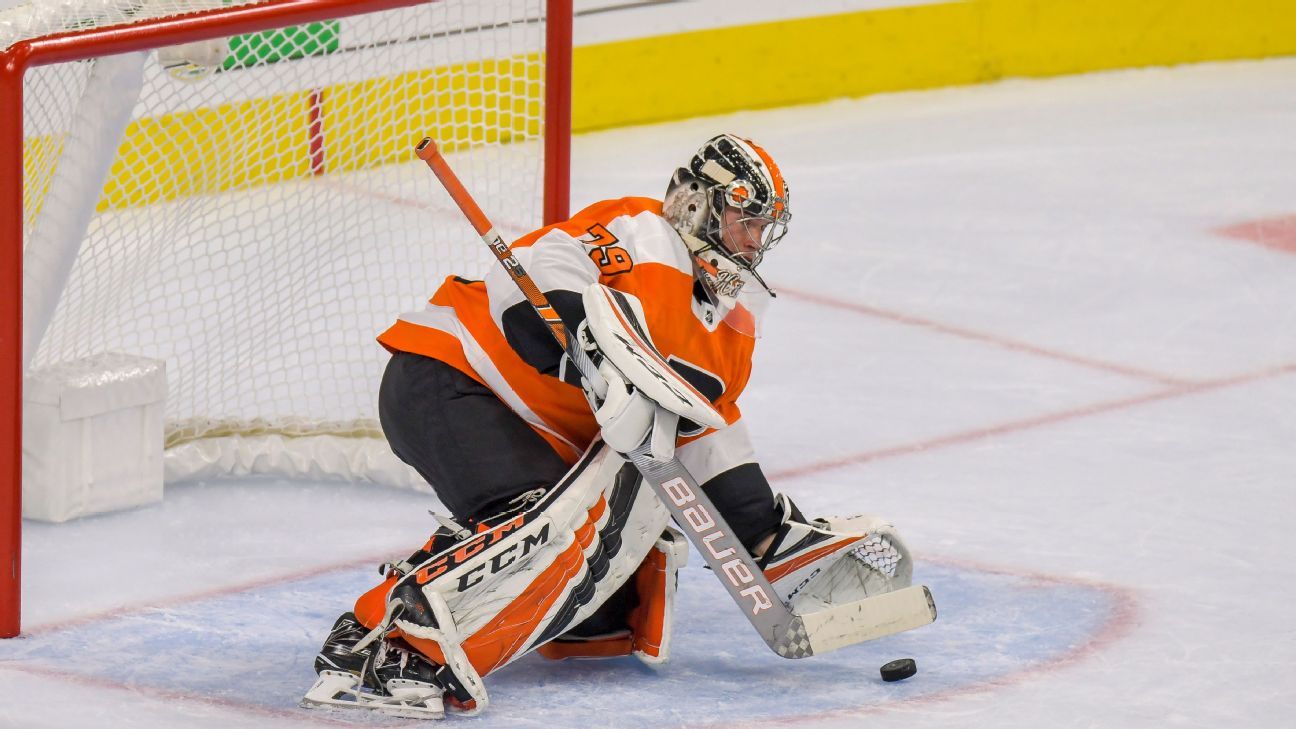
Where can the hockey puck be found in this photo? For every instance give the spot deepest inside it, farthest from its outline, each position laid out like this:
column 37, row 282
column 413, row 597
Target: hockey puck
column 899, row 669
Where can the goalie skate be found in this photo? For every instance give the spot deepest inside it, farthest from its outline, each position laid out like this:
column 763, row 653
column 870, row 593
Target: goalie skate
column 384, row 678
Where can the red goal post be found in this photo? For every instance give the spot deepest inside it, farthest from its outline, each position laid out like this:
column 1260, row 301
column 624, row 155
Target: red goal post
column 327, row 175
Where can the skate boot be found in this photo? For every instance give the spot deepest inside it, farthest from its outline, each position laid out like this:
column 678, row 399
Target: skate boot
column 381, row 677
column 338, row 654
column 406, row 677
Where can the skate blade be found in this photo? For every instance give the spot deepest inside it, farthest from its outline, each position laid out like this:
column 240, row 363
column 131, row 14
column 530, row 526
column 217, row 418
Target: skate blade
column 342, row 691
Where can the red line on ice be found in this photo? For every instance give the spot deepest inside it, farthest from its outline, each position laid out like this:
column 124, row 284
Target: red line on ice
column 143, row 607
column 1015, row 426
column 313, row 718
column 982, row 337
column 1120, row 623
column 1278, row 234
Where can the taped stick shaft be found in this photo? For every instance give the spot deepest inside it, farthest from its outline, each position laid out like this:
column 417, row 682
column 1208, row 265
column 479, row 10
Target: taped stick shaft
column 428, row 151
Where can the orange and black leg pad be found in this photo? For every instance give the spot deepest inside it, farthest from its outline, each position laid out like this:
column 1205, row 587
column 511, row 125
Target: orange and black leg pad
column 643, row 626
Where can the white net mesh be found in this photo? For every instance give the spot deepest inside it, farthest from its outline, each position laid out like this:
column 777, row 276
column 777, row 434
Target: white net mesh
column 261, row 225
column 48, row 17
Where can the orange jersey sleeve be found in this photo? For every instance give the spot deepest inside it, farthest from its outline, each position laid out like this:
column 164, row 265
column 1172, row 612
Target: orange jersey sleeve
column 624, row 244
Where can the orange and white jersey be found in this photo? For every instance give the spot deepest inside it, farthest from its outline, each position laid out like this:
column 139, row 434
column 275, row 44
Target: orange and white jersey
column 487, row 330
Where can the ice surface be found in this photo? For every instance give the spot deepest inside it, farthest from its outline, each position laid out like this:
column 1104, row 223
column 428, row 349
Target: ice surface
column 1009, row 323
column 997, row 628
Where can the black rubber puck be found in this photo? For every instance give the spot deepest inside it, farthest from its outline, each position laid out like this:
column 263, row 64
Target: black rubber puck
column 899, row 669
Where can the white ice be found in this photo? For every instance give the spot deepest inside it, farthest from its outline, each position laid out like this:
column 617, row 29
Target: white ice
column 1007, row 320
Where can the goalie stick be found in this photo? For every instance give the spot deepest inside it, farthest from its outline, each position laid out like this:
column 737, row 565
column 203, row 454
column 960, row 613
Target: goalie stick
column 787, row 633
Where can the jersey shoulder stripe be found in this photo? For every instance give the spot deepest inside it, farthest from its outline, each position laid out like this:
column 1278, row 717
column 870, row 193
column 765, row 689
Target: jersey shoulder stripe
column 613, row 241
column 602, row 212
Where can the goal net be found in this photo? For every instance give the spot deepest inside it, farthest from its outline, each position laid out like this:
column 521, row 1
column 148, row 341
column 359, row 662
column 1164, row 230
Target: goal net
column 230, row 187
column 256, row 222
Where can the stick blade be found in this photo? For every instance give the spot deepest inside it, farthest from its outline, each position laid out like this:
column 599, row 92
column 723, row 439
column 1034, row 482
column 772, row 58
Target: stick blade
column 869, row 619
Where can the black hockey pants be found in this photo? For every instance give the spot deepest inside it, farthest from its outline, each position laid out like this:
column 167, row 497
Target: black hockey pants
column 477, row 453
column 471, row 447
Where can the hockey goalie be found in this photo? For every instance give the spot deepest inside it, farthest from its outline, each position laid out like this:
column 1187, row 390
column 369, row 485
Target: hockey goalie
column 553, row 542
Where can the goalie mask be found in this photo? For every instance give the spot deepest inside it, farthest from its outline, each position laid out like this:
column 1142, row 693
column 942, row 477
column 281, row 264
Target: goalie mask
column 730, row 205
